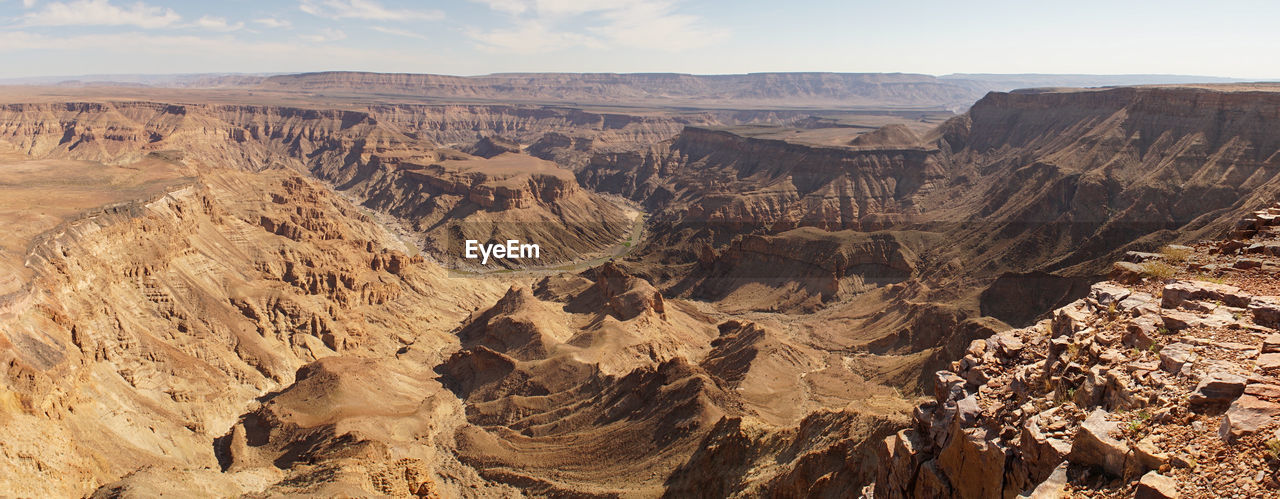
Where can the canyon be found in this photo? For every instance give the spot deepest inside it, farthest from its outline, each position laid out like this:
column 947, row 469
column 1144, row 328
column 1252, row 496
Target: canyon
column 217, row 291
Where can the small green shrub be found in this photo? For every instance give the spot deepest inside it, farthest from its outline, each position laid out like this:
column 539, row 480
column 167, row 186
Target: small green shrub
column 1136, row 427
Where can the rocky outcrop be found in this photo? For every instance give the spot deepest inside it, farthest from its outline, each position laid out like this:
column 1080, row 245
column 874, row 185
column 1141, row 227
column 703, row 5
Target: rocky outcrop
column 1103, row 389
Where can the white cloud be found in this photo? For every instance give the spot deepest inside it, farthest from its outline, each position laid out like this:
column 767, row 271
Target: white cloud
column 399, row 32
column 272, row 22
column 325, row 35
column 531, row 37
column 549, row 25
column 655, row 25
column 365, row 9
column 148, row 52
column 28, row 3
column 217, row 24
column 102, row 13
column 576, row 7
column 508, row 6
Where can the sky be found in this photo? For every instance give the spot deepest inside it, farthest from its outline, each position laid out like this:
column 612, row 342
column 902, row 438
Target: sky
column 467, row 37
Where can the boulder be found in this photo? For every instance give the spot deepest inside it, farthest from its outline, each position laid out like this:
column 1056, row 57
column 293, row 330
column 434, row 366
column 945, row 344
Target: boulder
column 1139, row 304
column 1268, row 362
column 1248, row 263
column 1094, row 446
column 1174, row 356
column 1271, row 248
column 1265, row 391
column 1141, row 333
column 967, row 410
column 930, row 482
column 1069, row 319
column 1107, row 294
column 1008, row 345
column 1178, row 292
column 962, row 413
column 1041, row 454
column 1266, row 311
column 1054, row 487
column 1125, row 272
column 1141, row 256
column 1156, row 486
column 976, row 348
column 1147, row 455
column 1090, row 392
column 975, row 377
column 947, row 386
column 1271, row 344
column 1247, row 415
column 1230, row 247
column 901, row 452
column 1217, row 389
column 973, row 464
column 1177, row 320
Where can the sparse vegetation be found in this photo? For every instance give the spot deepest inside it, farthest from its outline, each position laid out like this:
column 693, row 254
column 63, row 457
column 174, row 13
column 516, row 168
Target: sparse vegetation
column 1061, row 396
column 1175, row 255
column 1137, row 427
column 1157, row 270
column 1273, row 449
column 1073, row 351
column 1213, row 279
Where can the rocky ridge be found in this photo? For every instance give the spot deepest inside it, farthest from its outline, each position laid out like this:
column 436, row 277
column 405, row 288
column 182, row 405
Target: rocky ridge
column 1159, row 383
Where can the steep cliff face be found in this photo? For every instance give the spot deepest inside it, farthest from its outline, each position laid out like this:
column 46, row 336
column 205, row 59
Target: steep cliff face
column 375, row 155
column 707, row 186
column 452, row 124
column 1065, row 180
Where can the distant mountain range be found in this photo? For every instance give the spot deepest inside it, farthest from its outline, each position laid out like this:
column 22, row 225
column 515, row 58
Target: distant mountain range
column 754, row 90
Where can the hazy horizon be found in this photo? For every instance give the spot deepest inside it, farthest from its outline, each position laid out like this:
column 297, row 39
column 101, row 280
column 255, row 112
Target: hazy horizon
column 99, row 37
column 505, row 73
